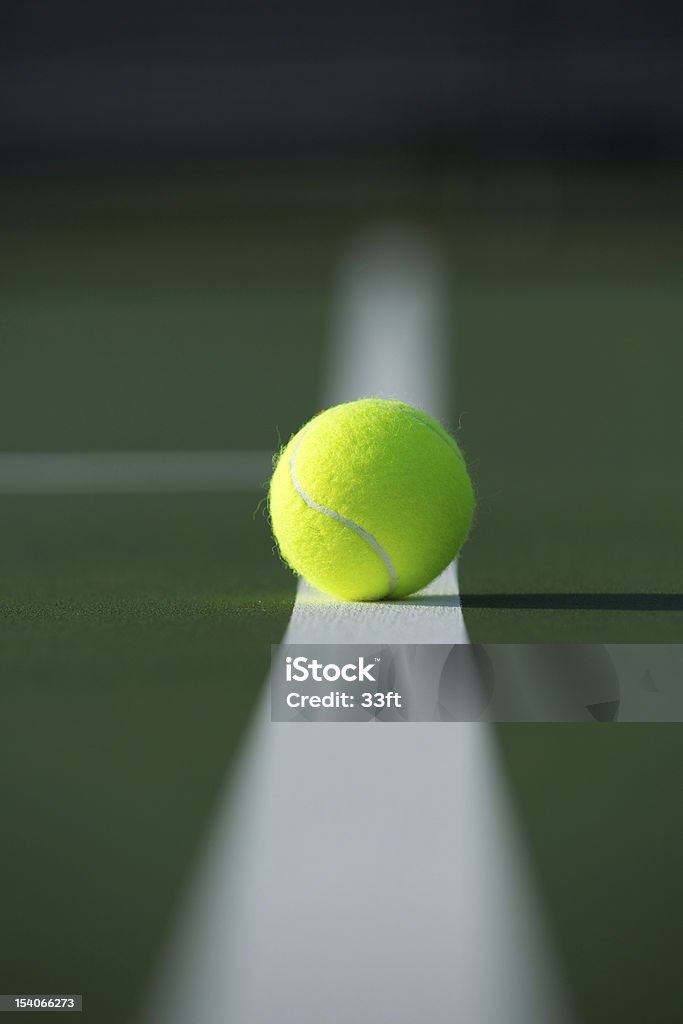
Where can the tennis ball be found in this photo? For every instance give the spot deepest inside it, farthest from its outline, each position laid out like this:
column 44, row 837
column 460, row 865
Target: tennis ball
column 370, row 500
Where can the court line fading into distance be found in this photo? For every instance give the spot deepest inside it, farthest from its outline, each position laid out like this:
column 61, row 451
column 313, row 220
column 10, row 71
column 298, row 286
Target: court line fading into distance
column 366, row 871
column 132, row 472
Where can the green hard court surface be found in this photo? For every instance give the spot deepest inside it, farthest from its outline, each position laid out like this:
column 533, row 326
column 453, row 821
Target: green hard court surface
column 135, row 630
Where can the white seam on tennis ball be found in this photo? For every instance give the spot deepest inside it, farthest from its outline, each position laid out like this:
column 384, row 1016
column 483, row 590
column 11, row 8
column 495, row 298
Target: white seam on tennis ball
column 372, row 541
column 446, row 440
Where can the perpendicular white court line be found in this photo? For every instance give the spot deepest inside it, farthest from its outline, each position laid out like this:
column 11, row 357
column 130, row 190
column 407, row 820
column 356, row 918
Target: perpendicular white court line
column 367, row 872
column 132, row 472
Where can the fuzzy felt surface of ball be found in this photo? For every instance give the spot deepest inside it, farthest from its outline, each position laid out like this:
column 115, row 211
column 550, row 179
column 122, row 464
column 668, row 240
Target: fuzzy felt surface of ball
column 370, row 500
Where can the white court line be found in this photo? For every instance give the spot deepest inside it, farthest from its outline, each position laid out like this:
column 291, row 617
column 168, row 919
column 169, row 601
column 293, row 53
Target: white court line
column 132, row 472
column 358, row 872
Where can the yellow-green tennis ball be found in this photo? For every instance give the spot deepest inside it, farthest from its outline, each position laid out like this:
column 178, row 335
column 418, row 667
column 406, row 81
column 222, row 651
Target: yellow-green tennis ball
column 371, row 499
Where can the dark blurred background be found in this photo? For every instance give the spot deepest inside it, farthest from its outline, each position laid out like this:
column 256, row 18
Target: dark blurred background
column 146, row 81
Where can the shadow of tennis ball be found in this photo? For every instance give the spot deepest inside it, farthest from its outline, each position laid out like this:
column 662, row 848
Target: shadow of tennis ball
column 466, row 684
column 570, row 683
